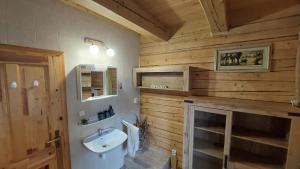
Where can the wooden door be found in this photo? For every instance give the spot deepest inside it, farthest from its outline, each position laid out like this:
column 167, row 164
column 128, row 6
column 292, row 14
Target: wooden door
column 210, row 131
column 33, row 132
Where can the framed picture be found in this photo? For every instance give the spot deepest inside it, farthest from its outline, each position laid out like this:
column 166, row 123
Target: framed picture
column 243, row 59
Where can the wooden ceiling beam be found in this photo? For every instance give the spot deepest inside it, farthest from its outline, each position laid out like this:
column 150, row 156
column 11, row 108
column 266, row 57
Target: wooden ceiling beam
column 215, row 11
column 126, row 13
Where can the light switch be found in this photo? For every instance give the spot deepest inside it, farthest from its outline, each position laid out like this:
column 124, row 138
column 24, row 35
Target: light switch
column 135, row 100
column 82, row 113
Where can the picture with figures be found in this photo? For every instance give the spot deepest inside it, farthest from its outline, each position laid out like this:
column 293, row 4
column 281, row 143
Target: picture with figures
column 243, row 59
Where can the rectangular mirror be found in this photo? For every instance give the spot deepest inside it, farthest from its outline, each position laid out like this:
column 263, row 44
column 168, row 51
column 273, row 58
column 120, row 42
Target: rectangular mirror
column 96, row 82
column 111, row 81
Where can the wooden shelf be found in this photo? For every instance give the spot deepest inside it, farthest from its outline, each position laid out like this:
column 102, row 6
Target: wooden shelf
column 249, row 135
column 176, row 78
column 242, row 159
column 260, row 137
column 206, row 162
column 209, row 149
column 212, row 129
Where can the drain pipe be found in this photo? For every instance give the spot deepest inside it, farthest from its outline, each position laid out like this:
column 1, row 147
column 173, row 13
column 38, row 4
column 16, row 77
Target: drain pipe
column 296, row 101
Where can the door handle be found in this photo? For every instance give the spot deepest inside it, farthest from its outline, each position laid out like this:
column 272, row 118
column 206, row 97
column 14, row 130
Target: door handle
column 54, row 140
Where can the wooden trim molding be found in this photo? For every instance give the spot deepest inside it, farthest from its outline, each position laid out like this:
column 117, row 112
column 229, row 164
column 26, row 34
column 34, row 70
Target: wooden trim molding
column 296, row 101
column 29, row 50
column 126, row 13
column 215, row 11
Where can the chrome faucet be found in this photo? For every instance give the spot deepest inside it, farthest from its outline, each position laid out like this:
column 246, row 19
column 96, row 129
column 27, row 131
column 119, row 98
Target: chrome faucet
column 100, row 131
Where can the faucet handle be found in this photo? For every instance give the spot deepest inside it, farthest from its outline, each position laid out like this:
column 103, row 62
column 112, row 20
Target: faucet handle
column 100, row 130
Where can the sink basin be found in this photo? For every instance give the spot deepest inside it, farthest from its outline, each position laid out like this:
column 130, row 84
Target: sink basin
column 106, row 141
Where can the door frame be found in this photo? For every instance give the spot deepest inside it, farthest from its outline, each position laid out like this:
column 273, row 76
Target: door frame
column 55, row 62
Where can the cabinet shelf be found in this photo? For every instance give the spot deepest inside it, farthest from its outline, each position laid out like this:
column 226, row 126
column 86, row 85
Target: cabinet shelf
column 260, row 137
column 250, row 135
column 206, row 162
column 242, row 159
column 212, row 129
column 209, row 149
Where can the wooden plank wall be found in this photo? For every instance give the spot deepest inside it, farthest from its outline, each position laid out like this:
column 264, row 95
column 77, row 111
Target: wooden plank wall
column 193, row 45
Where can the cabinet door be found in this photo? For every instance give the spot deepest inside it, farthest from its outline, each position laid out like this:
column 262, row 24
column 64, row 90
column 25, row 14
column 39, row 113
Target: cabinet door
column 293, row 157
column 210, row 141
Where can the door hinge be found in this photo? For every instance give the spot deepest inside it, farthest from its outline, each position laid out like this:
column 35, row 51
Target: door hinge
column 0, row 95
column 188, row 101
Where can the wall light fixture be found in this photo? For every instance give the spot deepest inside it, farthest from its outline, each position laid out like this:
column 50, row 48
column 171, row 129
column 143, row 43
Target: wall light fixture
column 95, row 44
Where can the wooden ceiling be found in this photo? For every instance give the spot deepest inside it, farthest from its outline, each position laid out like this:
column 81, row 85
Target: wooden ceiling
column 241, row 12
column 161, row 19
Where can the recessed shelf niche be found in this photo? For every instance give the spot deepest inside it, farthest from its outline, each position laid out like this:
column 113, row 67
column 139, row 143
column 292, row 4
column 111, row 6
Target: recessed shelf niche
column 175, row 78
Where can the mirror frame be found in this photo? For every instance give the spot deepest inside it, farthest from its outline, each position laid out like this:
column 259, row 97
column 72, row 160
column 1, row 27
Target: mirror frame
column 100, row 68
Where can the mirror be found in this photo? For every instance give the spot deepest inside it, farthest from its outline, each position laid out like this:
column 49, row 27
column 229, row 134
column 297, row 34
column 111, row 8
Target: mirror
column 96, row 81
column 111, row 79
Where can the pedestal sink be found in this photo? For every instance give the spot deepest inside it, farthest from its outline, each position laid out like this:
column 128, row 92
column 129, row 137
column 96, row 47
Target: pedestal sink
column 105, row 141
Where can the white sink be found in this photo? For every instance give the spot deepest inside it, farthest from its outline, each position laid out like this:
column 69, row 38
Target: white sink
column 106, row 141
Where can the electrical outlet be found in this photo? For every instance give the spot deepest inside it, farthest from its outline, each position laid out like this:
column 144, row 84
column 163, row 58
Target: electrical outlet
column 174, row 152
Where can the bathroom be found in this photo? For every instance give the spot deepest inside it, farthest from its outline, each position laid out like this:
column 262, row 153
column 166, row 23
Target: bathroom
column 164, row 57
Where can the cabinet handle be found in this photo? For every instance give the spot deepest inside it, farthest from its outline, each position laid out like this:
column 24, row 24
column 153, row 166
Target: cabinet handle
column 225, row 161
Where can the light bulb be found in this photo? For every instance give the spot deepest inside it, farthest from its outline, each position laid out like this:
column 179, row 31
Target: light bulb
column 110, row 52
column 94, row 49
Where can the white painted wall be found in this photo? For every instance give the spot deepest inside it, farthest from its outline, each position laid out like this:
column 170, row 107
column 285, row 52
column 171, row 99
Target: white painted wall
column 50, row 24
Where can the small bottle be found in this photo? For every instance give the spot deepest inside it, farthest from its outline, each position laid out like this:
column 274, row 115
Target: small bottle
column 101, row 116
column 173, row 159
column 106, row 114
column 111, row 111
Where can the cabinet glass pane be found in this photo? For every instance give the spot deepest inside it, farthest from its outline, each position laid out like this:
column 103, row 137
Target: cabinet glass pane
column 209, row 129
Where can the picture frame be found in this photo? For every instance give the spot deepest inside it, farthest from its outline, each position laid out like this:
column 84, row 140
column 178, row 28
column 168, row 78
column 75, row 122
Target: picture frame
column 250, row 58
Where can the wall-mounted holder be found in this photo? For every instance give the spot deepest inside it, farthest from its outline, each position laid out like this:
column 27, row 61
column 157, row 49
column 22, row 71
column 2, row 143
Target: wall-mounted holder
column 35, row 83
column 13, row 85
column 103, row 115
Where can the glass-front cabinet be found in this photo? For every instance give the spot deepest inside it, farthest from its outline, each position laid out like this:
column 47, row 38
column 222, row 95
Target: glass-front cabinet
column 209, row 142
column 250, row 137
